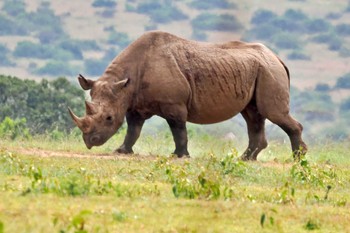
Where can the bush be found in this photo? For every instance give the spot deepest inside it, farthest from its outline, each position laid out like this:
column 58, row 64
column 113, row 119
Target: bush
column 199, row 35
column 286, row 41
column 324, row 38
column 44, row 104
column 345, row 106
column 14, row 128
column 104, row 3
column 208, row 21
column 163, row 11
column 32, row 50
column 263, row 32
column 343, row 82
column 318, row 26
column 288, row 25
column 322, row 87
column 212, row 4
column 262, row 16
column 14, row 7
column 343, row 29
column 9, row 27
column 119, row 38
column 56, row 68
column 95, row 67
column 295, row 15
column 297, row 55
column 4, row 60
column 73, row 48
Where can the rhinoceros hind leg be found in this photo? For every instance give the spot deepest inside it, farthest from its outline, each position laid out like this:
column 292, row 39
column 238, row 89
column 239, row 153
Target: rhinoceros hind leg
column 179, row 131
column 294, row 130
column 256, row 132
column 135, row 123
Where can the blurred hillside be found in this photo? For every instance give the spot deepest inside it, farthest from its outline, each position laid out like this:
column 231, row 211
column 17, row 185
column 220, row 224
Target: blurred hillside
column 48, row 39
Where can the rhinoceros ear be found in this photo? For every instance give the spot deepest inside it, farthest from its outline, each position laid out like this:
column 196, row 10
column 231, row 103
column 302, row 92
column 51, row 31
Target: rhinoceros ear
column 86, row 84
column 116, row 87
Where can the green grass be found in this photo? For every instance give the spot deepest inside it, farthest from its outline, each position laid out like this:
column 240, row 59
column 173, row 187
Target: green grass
column 76, row 190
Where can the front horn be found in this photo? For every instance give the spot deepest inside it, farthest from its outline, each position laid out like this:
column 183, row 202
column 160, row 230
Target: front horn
column 77, row 120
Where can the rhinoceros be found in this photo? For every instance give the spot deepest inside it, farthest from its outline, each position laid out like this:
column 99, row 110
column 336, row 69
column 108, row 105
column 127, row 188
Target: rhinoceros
column 187, row 81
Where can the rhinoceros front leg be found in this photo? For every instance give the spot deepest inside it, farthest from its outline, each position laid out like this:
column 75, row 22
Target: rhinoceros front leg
column 179, row 131
column 135, row 123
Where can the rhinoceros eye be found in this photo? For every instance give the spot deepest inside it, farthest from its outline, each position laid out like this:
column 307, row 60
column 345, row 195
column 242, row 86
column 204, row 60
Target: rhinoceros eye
column 109, row 118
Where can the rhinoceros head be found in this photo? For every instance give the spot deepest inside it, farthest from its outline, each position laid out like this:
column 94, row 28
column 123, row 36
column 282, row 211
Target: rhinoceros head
column 106, row 112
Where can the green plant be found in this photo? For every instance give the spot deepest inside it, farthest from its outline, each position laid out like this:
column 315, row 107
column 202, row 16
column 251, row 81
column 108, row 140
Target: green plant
column 343, row 81
column 104, row 3
column 56, row 68
column 343, row 29
column 262, row 17
column 14, row 128
column 95, row 67
column 297, row 55
column 163, row 11
column 312, row 225
column 287, row 41
column 223, row 22
column 212, row 4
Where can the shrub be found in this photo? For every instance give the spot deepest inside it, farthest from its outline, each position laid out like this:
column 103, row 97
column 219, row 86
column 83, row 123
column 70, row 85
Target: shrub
column 297, row 55
column 163, row 11
column 73, row 48
column 343, row 29
column 211, row 4
column 120, row 38
column 322, row 87
column 296, row 15
column 288, row 25
column 335, row 44
column 208, row 21
column 14, row 128
column 345, row 106
column 263, row 32
column 262, row 16
column 324, row 38
column 286, row 41
column 343, row 81
column 44, row 104
column 56, row 68
column 14, row 7
column 4, row 60
column 104, row 3
column 95, row 67
column 318, row 26
column 199, row 35
column 9, row 27
column 33, row 50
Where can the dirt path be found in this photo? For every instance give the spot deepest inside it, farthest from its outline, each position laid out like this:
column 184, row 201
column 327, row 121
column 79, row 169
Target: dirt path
column 68, row 154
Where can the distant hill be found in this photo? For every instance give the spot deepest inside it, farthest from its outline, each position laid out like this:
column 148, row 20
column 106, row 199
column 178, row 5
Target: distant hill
column 50, row 39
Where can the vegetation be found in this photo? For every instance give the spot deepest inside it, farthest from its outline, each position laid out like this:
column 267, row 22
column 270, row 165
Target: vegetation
column 212, row 4
column 40, row 107
column 163, row 11
column 97, row 193
column 223, row 22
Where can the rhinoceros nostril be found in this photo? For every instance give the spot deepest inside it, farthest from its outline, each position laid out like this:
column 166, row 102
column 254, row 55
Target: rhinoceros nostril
column 94, row 139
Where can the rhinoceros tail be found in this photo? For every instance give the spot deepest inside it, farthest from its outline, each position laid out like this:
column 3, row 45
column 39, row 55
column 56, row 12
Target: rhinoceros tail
column 286, row 68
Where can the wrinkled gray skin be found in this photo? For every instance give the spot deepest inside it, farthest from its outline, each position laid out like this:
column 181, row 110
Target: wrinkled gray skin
column 180, row 80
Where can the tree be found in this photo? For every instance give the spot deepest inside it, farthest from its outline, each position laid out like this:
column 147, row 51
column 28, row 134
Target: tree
column 43, row 105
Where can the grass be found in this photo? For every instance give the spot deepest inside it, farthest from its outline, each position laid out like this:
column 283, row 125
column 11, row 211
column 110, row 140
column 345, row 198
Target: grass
column 212, row 192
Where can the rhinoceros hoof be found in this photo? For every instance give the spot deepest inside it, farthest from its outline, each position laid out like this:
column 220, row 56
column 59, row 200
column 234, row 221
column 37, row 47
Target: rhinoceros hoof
column 123, row 151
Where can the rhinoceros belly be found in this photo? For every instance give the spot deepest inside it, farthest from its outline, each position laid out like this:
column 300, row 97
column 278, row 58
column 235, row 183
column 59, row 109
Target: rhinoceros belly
column 215, row 102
